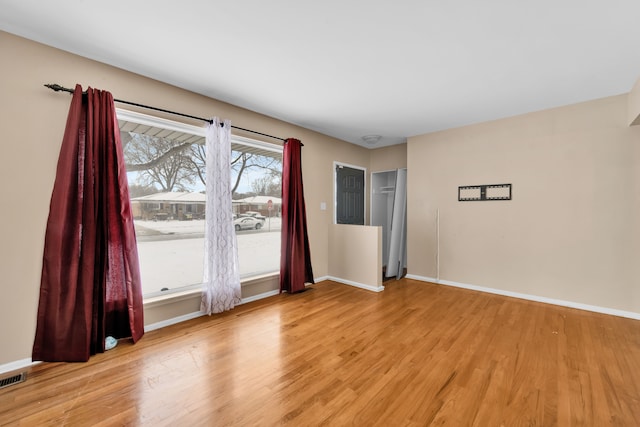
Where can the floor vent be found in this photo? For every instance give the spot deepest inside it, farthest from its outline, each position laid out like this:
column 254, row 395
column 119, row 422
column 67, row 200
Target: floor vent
column 14, row 379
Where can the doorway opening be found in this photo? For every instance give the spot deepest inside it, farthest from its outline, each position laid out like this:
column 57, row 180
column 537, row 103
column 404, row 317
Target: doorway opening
column 389, row 211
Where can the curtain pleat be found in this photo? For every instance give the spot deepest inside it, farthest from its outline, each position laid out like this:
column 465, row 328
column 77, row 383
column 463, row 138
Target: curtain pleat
column 90, row 284
column 221, row 279
column 295, row 256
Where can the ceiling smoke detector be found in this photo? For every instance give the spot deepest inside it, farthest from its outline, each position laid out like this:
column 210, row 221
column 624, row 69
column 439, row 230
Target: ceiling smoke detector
column 371, row 139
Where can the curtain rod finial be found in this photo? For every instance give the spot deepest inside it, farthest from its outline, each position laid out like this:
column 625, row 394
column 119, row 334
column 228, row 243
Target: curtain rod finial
column 57, row 88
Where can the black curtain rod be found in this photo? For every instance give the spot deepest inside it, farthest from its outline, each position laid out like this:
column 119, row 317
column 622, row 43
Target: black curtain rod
column 56, row 87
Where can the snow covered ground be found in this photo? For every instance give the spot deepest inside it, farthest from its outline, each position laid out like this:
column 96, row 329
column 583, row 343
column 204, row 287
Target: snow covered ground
column 171, row 252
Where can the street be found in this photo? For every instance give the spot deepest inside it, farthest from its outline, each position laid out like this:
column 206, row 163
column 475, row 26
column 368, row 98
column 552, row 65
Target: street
column 171, row 252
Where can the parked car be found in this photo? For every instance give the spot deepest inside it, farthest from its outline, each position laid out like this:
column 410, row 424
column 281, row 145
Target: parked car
column 255, row 214
column 161, row 216
column 247, row 223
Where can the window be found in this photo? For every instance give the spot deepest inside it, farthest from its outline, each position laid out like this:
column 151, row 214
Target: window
column 165, row 168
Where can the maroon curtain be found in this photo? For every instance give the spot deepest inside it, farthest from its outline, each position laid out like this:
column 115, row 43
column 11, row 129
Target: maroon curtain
column 295, row 256
column 90, row 284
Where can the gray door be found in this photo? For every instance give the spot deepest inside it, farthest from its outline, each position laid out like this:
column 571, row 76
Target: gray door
column 349, row 195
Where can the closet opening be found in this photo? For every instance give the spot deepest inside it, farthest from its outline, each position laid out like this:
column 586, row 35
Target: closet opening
column 389, row 211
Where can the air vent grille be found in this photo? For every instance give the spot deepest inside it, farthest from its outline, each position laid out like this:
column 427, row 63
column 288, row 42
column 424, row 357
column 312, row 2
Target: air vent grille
column 13, row 379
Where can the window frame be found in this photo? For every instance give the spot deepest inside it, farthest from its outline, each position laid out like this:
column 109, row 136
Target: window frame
column 154, row 121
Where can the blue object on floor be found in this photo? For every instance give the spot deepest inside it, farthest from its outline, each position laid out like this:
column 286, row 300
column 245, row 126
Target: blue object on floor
column 110, row 342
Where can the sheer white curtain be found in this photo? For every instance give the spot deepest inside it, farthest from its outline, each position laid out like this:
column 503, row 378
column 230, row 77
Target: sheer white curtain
column 221, row 274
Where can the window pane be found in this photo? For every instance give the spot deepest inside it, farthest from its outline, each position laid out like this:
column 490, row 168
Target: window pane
column 256, row 183
column 165, row 169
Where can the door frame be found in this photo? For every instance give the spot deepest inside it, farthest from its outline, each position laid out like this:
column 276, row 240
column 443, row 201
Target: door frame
column 335, row 190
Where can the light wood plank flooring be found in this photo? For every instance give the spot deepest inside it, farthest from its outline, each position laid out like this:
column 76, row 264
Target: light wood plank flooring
column 416, row 354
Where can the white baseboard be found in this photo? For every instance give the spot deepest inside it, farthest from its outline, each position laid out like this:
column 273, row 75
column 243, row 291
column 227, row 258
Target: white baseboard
column 320, row 279
column 421, row 278
column 260, row 296
column 563, row 303
column 17, row 365
column 356, row 284
column 173, row 321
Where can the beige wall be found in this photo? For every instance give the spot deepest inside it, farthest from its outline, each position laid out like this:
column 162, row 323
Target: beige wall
column 356, row 255
column 160, row 309
column 634, row 105
column 32, row 120
column 568, row 233
column 388, row 158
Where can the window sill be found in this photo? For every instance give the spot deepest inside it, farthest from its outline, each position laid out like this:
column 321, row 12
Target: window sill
column 160, row 300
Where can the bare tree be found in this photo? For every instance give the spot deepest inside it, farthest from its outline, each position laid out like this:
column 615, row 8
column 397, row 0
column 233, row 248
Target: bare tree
column 268, row 185
column 197, row 164
column 137, row 190
column 241, row 162
column 172, row 165
column 160, row 161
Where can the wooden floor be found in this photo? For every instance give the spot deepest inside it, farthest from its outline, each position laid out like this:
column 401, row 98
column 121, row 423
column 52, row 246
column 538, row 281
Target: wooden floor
column 416, row 354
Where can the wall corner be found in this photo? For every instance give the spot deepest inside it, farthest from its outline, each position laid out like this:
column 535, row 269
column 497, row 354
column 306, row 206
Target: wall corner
column 633, row 102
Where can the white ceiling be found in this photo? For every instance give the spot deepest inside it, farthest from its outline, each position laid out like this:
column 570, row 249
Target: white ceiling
column 349, row 68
